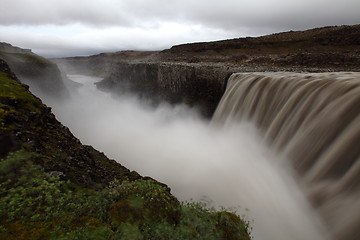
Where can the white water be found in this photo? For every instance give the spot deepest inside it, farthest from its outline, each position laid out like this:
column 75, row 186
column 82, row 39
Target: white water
column 313, row 119
column 231, row 166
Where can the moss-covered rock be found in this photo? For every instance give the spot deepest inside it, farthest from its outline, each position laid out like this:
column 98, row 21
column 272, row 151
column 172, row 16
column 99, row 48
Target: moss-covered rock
column 27, row 123
column 231, row 226
column 53, row 187
column 195, row 85
column 144, row 199
column 40, row 74
column 26, row 231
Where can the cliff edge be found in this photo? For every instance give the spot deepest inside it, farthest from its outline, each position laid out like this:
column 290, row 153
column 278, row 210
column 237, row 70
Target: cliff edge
column 42, row 75
column 53, row 187
column 196, row 73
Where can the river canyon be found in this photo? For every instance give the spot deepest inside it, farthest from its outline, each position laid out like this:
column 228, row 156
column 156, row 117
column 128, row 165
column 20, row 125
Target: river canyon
column 261, row 152
column 268, row 127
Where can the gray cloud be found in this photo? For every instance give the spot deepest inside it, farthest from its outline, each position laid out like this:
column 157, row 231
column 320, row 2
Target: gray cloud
column 41, row 12
column 223, row 14
column 53, row 41
column 90, row 25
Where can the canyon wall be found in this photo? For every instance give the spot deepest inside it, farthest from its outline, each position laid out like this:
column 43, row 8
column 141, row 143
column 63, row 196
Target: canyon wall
column 42, row 75
column 196, row 74
column 196, row 85
column 53, row 185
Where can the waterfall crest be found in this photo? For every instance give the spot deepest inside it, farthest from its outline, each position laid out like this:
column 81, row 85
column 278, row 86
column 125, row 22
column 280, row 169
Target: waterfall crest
column 313, row 121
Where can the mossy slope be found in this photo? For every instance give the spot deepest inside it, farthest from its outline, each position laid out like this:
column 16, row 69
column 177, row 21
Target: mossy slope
column 40, row 74
column 53, row 187
column 27, row 123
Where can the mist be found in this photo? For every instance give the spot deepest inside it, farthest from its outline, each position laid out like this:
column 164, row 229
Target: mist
column 229, row 165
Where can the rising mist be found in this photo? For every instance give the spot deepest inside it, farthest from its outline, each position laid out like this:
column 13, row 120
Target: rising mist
column 173, row 144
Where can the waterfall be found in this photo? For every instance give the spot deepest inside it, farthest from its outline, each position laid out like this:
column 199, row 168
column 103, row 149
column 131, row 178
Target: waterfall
column 311, row 120
column 231, row 166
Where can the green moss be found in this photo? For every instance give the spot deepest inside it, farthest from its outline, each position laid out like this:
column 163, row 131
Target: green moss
column 35, row 205
column 232, row 227
column 4, row 112
column 144, row 199
column 15, row 95
column 198, row 221
column 86, row 233
column 26, row 231
column 28, row 193
column 32, row 126
column 35, row 58
column 126, row 211
column 24, row 57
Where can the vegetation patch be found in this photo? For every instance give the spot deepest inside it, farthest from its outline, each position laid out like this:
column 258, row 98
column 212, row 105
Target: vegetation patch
column 36, row 205
column 53, row 187
column 13, row 93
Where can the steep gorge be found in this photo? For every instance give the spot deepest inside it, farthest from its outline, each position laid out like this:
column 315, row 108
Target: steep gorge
column 54, row 187
column 196, row 73
column 311, row 120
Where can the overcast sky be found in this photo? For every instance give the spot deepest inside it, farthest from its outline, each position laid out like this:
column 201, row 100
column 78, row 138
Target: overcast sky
column 82, row 27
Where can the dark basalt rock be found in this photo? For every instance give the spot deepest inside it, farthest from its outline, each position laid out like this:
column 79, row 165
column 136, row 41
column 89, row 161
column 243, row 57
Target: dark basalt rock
column 196, row 73
column 196, row 86
column 29, row 124
column 8, row 144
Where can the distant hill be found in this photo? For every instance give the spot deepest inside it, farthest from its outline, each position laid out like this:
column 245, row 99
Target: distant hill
column 327, row 47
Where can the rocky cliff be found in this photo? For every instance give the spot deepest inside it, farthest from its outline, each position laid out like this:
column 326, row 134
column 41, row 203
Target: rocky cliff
column 198, row 86
column 196, row 73
column 27, row 123
column 43, row 76
column 336, row 48
column 6, row 47
column 53, row 187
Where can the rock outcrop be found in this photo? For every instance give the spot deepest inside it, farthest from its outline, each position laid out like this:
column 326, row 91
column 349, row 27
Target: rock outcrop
column 196, row 73
column 53, row 186
column 337, row 48
column 6, row 47
column 43, row 76
column 27, row 123
column 198, row 86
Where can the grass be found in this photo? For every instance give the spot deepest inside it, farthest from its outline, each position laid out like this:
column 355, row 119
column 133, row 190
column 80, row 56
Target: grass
column 16, row 91
column 16, row 102
column 36, row 205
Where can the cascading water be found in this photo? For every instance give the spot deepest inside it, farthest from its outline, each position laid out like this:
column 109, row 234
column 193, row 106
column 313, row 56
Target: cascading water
column 231, row 165
column 313, row 120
